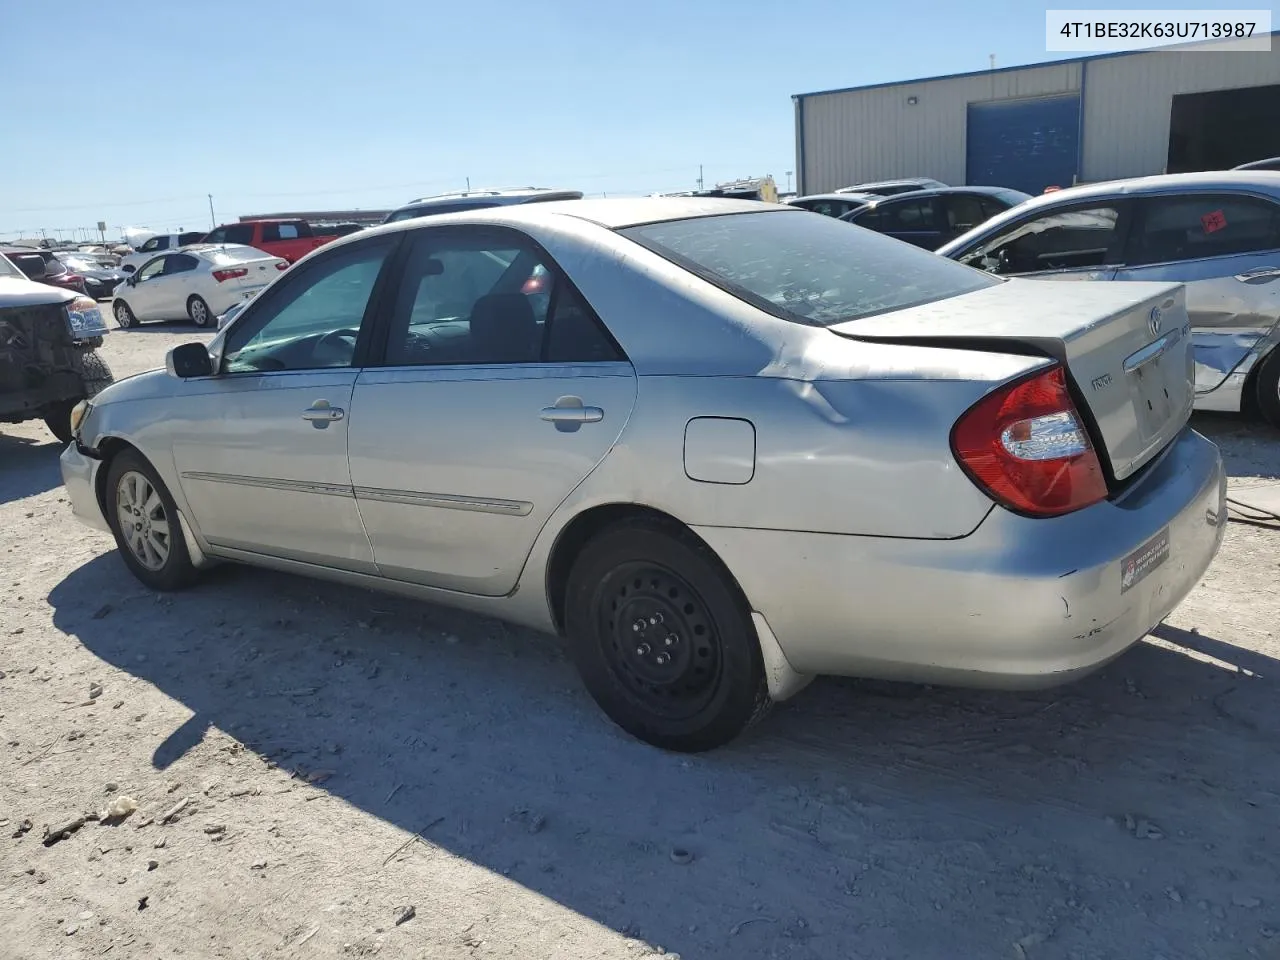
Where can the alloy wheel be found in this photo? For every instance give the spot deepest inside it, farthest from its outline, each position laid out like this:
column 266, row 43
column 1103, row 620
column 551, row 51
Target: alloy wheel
column 144, row 524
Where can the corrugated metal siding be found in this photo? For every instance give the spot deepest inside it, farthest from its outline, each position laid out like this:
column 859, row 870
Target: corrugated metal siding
column 875, row 134
column 1127, row 102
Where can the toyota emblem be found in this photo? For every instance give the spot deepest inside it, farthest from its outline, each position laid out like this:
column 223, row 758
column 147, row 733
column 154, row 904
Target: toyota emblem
column 1155, row 321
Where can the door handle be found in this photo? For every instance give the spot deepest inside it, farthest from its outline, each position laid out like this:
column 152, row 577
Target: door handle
column 321, row 414
column 1262, row 273
column 568, row 414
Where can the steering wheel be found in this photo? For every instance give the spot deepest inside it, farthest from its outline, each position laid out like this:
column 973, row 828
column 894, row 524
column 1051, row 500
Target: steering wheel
column 335, row 334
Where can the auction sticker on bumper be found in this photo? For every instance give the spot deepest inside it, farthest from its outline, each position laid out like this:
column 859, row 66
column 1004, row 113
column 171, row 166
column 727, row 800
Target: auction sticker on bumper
column 1135, row 567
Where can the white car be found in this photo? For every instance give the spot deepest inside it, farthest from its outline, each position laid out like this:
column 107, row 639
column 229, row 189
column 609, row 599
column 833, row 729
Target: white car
column 153, row 246
column 200, row 282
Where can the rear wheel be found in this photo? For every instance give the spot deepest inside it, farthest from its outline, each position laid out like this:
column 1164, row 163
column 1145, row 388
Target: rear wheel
column 1267, row 387
column 145, row 522
column 199, row 312
column 663, row 638
column 124, row 316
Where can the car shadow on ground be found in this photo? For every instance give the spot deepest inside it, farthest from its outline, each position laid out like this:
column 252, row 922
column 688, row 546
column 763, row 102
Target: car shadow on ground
column 1248, row 444
column 28, row 467
column 861, row 819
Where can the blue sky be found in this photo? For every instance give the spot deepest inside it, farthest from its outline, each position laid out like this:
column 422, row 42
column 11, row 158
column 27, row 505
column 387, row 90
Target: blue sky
column 146, row 108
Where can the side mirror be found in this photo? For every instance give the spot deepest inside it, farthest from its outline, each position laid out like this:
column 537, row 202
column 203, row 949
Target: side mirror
column 189, row 360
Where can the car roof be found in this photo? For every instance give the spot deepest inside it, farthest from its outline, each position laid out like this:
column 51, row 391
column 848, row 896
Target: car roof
column 938, row 192
column 869, row 184
column 845, row 197
column 1267, row 163
column 215, row 247
column 519, row 195
column 614, row 213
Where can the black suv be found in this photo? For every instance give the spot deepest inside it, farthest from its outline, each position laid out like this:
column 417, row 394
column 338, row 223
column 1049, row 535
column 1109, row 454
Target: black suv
column 49, row 362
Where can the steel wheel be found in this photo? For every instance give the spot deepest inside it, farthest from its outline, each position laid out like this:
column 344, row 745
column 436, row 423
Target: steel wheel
column 144, row 523
column 662, row 643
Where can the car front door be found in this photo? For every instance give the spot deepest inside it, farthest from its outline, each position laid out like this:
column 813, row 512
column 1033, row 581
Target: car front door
column 1226, row 248
column 1075, row 241
column 144, row 293
column 499, row 392
column 962, row 212
column 261, row 446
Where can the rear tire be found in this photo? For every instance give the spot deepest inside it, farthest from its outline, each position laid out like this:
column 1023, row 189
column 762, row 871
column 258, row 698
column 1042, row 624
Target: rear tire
column 124, row 316
column 663, row 638
column 145, row 522
column 199, row 312
column 1267, row 388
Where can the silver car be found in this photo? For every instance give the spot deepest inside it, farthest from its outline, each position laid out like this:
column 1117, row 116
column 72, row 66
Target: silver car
column 721, row 446
column 1219, row 233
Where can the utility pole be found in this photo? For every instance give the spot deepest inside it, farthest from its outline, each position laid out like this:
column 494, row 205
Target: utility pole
column 212, row 220
column 992, row 58
column 789, row 172
column 468, row 184
column 699, row 176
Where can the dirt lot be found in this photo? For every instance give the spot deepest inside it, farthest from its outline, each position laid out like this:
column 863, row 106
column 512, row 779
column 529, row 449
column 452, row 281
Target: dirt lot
column 312, row 731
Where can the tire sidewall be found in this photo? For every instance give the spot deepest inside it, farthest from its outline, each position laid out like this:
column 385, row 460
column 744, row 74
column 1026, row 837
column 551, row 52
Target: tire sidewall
column 1267, row 388
column 178, row 569
column 740, row 686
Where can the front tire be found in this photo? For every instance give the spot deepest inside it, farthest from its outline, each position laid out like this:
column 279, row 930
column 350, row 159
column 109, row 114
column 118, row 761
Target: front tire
column 1267, row 387
column 58, row 420
column 199, row 312
column 144, row 519
column 124, row 316
column 663, row 638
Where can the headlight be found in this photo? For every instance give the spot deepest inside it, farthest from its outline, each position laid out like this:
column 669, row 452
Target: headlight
column 78, row 413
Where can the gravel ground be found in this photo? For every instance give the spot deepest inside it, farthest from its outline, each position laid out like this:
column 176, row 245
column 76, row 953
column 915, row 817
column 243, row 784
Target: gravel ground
column 339, row 756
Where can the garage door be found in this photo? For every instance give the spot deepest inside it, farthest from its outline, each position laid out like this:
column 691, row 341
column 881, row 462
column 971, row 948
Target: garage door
column 1024, row 144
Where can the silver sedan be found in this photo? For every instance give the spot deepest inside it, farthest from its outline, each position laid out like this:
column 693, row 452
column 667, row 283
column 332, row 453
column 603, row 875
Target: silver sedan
column 720, row 446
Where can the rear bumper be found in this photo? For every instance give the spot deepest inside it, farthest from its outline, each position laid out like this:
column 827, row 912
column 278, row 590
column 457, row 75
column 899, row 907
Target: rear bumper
column 1019, row 603
column 79, row 476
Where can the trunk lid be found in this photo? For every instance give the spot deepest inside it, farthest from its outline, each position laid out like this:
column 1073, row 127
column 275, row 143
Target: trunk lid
column 1126, row 347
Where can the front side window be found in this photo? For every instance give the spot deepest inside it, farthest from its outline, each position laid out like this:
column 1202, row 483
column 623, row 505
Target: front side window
column 188, row 238
column 486, row 297
column 153, row 268
column 812, row 270
column 154, row 244
column 907, row 216
column 964, row 212
column 278, row 231
column 1078, row 238
column 313, row 320
column 1209, row 225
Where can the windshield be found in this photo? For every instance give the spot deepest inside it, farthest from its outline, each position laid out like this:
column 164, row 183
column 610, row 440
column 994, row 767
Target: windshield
column 7, row 269
column 814, row 270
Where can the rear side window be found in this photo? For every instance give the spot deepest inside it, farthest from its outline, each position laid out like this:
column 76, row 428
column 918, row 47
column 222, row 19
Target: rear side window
column 1212, row 225
column 179, row 263
column 279, row 231
column 187, row 238
column 813, row 270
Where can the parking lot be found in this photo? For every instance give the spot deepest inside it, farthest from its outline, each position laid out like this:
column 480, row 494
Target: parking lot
column 330, row 757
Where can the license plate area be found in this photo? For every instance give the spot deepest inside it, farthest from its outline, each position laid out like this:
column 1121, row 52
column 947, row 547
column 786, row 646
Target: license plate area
column 1152, row 401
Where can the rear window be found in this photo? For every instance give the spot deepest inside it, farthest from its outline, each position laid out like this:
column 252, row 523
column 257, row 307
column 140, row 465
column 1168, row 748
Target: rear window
column 813, row 270
column 235, row 255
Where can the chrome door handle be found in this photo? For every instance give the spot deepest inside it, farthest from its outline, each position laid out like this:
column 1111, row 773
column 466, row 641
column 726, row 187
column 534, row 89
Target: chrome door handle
column 321, row 414
column 568, row 414
column 1262, row 273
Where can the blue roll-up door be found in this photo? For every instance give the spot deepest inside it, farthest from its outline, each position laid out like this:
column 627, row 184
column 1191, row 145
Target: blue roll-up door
column 1024, row 144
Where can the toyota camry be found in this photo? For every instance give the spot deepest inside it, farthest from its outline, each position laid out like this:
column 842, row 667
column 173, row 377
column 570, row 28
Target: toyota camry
column 719, row 446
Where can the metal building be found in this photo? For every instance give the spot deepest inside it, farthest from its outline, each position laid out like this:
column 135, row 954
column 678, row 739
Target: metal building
column 1051, row 124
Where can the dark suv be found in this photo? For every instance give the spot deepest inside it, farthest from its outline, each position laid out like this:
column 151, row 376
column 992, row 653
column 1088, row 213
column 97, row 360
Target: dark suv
column 49, row 339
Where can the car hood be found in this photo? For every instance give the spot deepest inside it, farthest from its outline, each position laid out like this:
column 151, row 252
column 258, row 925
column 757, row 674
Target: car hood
column 15, row 292
column 141, row 386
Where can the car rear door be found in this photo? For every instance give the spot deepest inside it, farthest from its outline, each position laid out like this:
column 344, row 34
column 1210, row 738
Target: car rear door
column 499, row 391
column 916, row 220
column 1225, row 247
column 261, row 447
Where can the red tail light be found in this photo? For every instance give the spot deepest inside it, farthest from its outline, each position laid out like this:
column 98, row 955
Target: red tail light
column 1026, row 446
column 230, row 274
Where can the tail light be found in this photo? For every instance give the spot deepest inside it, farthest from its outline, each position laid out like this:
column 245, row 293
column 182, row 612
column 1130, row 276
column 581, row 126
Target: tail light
column 230, row 274
column 1026, row 446
column 282, row 265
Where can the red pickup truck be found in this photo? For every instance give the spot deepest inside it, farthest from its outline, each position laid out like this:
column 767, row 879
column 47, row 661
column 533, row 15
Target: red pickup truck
column 290, row 239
